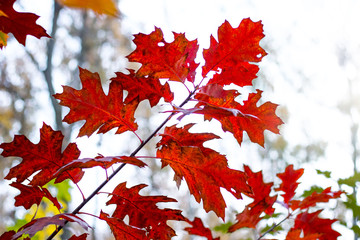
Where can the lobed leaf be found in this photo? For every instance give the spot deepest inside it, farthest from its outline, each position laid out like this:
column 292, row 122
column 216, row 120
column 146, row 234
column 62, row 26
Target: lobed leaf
column 311, row 224
column 100, row 111
column 19, row 24
column 215, row 102
column 143, row 88
column 174, row 61
column 204, row 170
column 231, row 56
column 263, row 202
column 45, row 157
column 143, row 212
column 315, row 198
column 30, row 195
column 260, row 191
column 289, row 182
column 248, row 218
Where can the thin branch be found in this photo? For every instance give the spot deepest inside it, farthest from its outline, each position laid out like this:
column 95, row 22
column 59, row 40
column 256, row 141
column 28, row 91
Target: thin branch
column 95, row 192
column 275, row 226
column 33, row 59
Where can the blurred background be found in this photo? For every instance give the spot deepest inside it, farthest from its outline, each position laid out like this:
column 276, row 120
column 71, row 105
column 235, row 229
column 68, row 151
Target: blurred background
column 312, row 71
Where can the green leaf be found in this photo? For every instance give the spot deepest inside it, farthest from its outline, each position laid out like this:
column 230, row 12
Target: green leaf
column 351, row 181
column 311, row 190
column 352, row 205
column 327, row 174
column 224, row 228
column 275, row 230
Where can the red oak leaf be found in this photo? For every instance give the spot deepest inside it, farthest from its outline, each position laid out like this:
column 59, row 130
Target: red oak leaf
column 38, row 224
column 289, row 184
column 260, row 191
column 248, row 218
column 143, row 88
column 104, row 162
column 315, row 198
column 232, row 55
column 215, row 102
column 81, row 237
column 19, row 24
column 45, row 157
column 30, row 195
column 310, row 223
column 122, row 230
column 103, row 112
column 160, row 59
column 143, row 212
column 198, row 228
column 205, row 171
column 262, row 203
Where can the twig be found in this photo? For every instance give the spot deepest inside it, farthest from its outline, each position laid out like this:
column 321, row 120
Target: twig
column 95, row 192
column 274, row 226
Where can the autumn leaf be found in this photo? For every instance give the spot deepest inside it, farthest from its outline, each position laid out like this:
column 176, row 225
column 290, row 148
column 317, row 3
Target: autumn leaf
column 98, row 6
column 204, row 170
column 198, row 228
column 38, row 224
column 215, row 102
column 143, row 212
column 104, row 162
column 143, row 88
column 263, row 202
column 231, row 56
column 122, row 230
column 30, row 195
column 310, row 224
column 248, row 218
column 19, row 24
column 315, row 198
column 45, row 157
column 100, row 111
column 159, row 59
column 260, row 191
column 289, row 182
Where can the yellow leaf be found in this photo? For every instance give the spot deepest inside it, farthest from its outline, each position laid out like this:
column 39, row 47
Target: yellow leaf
column 99, row 6
column 3, row 39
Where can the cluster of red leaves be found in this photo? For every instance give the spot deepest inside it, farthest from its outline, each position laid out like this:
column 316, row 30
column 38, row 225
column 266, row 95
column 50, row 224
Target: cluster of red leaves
column 231, row 58
column 307, row 224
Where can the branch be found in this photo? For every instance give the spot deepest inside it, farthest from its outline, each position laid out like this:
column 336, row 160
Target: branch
column 48, row 71
column 95, row 192
column 275, row 226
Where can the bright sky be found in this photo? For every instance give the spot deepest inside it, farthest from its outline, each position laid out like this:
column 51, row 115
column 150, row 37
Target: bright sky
column 303, row 39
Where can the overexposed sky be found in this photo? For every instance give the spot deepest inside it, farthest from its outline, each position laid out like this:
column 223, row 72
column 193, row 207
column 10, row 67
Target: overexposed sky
column 303, row 39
